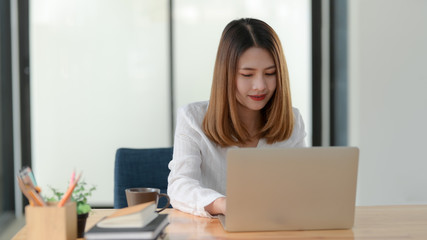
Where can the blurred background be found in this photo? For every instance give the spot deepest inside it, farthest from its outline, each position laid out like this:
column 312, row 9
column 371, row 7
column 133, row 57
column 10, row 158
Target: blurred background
column 101, row 75
column 82, row 78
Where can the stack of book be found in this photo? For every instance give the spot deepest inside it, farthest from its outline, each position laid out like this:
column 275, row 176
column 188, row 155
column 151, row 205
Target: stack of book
column 137, row 222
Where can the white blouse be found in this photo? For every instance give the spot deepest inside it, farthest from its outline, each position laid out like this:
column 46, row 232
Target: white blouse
column 198, row 167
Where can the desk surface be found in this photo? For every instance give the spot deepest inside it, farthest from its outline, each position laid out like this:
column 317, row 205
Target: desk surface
column 379, row 222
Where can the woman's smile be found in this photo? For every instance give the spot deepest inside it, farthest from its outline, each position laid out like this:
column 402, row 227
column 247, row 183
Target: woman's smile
column 258, row 97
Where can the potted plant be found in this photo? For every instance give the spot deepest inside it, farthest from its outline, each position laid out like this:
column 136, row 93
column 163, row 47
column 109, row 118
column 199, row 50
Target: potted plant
column 80, row 195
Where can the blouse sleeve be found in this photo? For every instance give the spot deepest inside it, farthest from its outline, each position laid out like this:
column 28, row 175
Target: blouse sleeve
column 299, row 129
column 184, row 182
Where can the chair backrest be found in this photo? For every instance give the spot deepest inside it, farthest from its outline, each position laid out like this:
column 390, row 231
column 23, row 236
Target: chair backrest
column 140, row 168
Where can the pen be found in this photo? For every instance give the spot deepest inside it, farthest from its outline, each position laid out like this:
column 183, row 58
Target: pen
column 28, row 177
column 27, row 171
column 69, row 192
column 73, row 175
column 32, row 195
column 27, row 181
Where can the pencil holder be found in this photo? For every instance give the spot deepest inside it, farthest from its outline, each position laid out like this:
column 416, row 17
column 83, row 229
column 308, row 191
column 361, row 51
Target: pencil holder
column 51, row 222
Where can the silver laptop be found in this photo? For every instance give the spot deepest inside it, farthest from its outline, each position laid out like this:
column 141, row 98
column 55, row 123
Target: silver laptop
column 274, row 189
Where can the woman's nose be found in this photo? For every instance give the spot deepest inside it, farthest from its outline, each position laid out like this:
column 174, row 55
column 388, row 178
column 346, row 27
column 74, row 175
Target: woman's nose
column 259, row 82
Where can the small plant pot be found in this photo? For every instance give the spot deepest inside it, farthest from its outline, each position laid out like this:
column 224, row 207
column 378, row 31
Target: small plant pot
column 81, row 224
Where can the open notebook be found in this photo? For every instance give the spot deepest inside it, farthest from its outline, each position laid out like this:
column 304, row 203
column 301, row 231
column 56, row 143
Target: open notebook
column 290, row 188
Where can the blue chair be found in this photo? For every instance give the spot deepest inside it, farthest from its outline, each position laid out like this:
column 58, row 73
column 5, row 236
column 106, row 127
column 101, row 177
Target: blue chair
column 140, row 168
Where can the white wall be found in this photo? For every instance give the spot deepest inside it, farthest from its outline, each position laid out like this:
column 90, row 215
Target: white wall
column 388, row 110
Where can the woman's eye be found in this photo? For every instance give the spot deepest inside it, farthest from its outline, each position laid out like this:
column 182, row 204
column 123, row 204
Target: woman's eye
column 246, row 75
column 270, row 74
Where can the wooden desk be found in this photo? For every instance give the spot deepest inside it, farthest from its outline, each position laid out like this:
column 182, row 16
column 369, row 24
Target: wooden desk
column 380, row 222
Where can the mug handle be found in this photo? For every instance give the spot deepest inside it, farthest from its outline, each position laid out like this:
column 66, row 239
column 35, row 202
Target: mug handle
column 167, row 204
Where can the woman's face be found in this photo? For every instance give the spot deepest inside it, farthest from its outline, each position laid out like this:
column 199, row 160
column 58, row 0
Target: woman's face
column 256, row 78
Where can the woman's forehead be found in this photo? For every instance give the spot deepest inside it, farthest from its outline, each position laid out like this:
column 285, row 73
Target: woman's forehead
column 255, row 58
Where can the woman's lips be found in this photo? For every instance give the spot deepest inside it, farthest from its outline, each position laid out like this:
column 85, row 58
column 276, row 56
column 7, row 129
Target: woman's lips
column 258, row 97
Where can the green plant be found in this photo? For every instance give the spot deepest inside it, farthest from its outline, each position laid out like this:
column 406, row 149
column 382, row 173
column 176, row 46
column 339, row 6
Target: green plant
column 80, row 194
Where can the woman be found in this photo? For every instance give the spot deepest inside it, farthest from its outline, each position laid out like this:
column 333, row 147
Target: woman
column 250, row 106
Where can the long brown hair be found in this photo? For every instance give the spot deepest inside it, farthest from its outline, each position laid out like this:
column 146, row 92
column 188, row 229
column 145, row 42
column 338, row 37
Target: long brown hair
column 222, row 123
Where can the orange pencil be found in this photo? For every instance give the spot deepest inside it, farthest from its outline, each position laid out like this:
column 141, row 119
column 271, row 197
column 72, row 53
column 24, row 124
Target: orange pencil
column 37, row 199
column 69, row 192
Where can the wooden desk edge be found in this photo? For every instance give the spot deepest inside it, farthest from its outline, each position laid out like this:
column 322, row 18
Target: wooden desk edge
column 396, row 222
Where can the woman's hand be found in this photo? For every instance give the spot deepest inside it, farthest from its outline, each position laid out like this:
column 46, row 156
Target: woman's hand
column 217, row 207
